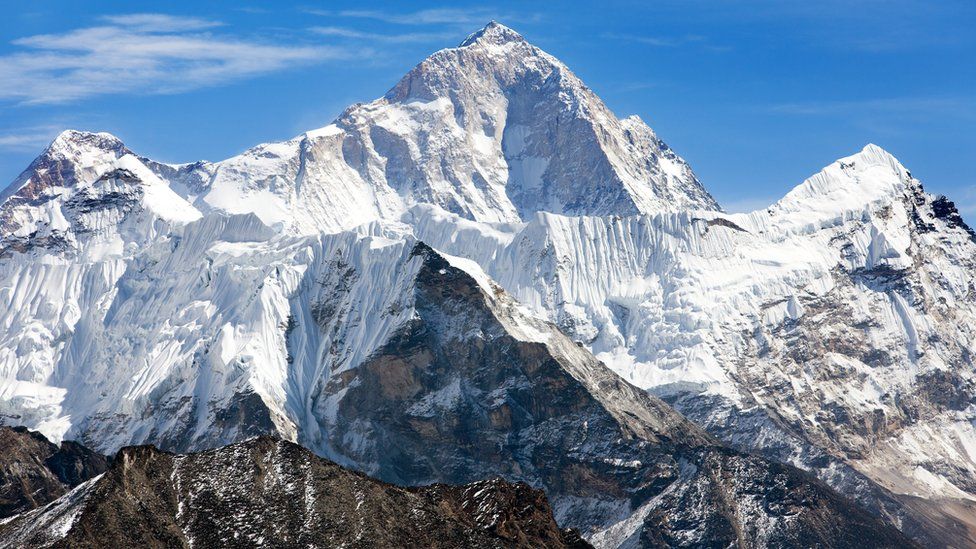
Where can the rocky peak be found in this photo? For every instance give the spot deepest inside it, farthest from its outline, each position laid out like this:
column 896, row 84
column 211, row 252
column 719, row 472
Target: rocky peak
column 75, row 142
column 493, row 33
column 525, row 135
column 72, row 157
column 34, row 471
column 494, row 58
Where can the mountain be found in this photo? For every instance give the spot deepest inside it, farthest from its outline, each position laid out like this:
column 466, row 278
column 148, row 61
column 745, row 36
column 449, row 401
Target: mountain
column 277, row 494
column 471, row 387
column 493, row 130
column 831, row 331
column 395, row 291
column 454, row 382
column 33, row 471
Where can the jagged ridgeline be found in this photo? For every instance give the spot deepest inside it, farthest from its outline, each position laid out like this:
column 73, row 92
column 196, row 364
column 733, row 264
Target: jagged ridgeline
column 266, row 492
column 487, row 273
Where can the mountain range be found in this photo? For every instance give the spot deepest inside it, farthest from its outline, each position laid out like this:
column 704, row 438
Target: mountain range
column 486, row 273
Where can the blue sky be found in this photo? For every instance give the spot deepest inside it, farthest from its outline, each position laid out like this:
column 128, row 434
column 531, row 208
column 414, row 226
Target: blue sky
column 755, row 94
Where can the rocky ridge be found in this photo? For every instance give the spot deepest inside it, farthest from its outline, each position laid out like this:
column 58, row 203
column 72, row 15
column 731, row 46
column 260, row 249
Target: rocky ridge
column 33, row 471
column 276, row 494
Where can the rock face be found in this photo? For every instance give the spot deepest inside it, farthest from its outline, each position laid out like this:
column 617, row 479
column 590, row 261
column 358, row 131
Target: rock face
column 471, row 386
column 297, row 289
column 33, row 471
column 465, row 385
column 277, row 494
column 832, row 330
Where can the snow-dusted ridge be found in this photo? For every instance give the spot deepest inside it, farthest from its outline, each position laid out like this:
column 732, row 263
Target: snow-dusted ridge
column 191, row 305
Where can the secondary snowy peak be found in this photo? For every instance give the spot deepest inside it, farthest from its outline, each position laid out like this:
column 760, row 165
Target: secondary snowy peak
column 71, row 158
column 87, row 193
column 847, row 187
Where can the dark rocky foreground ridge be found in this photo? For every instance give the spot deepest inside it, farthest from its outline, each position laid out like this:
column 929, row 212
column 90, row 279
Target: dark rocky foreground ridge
column 270, row 493
column 34, row 471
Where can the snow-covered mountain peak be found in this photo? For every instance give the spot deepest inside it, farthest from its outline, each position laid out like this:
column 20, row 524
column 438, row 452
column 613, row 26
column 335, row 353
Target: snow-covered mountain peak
column 851, row 181
column 494, row 57
column 73, row 156
column 74, row 142
column 87, row 193
column 528, row 133
column 494, row 130
column 844, row 190
column 492, row 33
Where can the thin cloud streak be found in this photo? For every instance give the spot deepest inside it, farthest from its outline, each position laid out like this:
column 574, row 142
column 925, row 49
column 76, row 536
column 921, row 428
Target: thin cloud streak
column 142, row 53
column 410, row 37
column 433, row 16
column 158, row 22
column 28, row 139
column 955, row 106
column 667, row 42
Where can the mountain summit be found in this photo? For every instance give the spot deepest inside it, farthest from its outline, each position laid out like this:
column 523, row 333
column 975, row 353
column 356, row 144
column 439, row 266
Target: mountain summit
column 492, row 33
column 506, row 131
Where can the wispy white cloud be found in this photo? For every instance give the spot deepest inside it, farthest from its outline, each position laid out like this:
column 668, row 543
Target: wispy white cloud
column 142, row 53
column 433, row 16
column 408, row 37
column 956, row 106
column 158, row 22
column 28, row 139
column 667, row 41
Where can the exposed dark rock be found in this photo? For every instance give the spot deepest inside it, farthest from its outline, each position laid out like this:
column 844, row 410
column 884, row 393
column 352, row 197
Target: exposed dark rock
column 455, row 396
column 946, row 389
column 34, row 471
column 945, row 209
column 720, row 222
column 276, row 494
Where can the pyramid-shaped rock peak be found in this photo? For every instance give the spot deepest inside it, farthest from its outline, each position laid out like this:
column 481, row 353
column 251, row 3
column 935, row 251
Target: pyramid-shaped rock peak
column 492, row 33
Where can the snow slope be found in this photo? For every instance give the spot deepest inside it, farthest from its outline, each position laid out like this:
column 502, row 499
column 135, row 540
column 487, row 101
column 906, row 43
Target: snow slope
column 843, row 315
